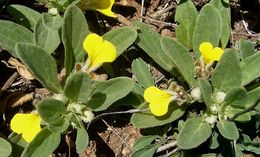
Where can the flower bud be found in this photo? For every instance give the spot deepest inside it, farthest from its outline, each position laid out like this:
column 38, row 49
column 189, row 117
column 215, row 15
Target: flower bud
column 196, row 94
column 211, row 119
column 219, row 97
column 53, row 11
column 75, row 107
column 87, row 116
column 214, row 108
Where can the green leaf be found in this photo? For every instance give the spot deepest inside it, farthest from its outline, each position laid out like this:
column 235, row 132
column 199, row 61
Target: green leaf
column 252, row 146
column 121, row 38
column 149, row 41
column 207, row 29
column 46, row 37
column 146, row 151
column 230, row 111
column 228, row 130
column 60, row 125
column 82, row 140
column 214, row 140
column 224, row 11
column 24, row 15
column 51, row 21
column 246, row 48
column 105, row 93
column 206, row 91
column 147, row 119
column 144, row 141
column 181, row 57
column 250, row 68
column 193, row 133
column 236, row 97
column 74, row 31
column 252, row 97
column 50, row 109
column 5, row 148
column 43, row 144
column 134, row 98
column 186, row 15
column 78, row 87
column 41, row 64
column 142, row 73
column 11, row 34
column 227, row 74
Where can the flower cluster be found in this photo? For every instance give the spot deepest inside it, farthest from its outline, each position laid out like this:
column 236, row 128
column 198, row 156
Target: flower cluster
column 99, row 51
column 209, row 55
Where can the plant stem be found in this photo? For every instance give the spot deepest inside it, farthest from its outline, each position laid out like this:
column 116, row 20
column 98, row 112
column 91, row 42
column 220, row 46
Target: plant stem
column 118, row 112
column 167, row 146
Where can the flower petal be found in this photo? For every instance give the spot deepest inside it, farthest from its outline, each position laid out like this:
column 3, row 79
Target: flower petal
column 217, row 53
column 106, row 54
column 103, row 6
column 26, row 124
column 152, row 93
column 91, row 44
column 108, row 11
column 99, row 50
column 206, row 50
column 159, row 100
column 159, row 107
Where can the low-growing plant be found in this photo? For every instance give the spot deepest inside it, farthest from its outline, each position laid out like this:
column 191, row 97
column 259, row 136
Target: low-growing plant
column 78, row 93
column 213, row 91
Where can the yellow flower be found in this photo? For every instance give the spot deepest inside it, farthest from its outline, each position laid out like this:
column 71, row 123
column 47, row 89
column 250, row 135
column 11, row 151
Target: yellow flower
column 99, row 51
column 158, row 100
column 103, row 6
column 210, row 54
column 26, row 124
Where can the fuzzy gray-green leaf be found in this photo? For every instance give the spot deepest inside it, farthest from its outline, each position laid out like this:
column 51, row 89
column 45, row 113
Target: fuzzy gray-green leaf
column 149, row 41
column 208, row 28
column 43, row 144
column 228, row 130
column 193, row 133
column 121, row 38
column 246, row 48
column 5, row 148
column 11, row 34
column 78, row 87
column 227, row 74
column 82, row 140
column 105, row 93
column 46, row 37
column 147, row 119
column 186, row 15
column 250, row 68
column 147, row 151
column 142, row 73
column 224, row 10
column 42, row 65
column 206, row 91
column 74, row 31
column 181, row 57
column 50, row 109
column 24, row 15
